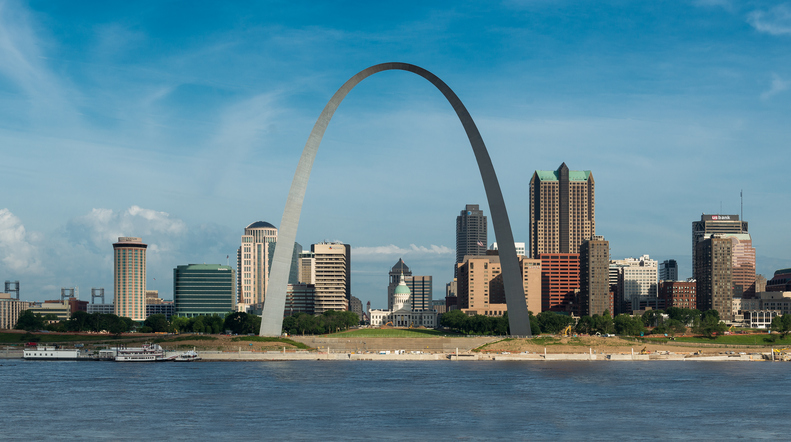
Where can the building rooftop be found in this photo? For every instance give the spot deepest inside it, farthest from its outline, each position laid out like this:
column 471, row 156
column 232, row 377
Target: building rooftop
column 574, row 175
column 261, row 225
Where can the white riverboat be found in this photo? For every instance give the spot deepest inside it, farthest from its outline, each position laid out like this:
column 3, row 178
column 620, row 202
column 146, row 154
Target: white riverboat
column 51, row 353
column 146, row 353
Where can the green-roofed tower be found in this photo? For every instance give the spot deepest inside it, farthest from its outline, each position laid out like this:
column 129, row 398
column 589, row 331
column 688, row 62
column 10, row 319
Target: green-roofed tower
column 562, row 213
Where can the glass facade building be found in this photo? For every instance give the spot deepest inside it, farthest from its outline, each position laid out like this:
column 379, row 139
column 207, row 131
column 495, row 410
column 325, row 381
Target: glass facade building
column 204, row 289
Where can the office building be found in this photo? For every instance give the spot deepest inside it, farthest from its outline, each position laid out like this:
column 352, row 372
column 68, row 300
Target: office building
column 300, row 298
column 332, row 264
column 253, row 262
column 637, row 283
column 167, row 308
column 479, row 285
column 780, row 282
column 470, row 233
column 10, row 309
column 680, row 294
column 668, row 270
column 710, row 224
column 152, row 297
column 713, row 267
column 743, row 264
column 595, row 297
column 758, row 312
column 560, row 281
column 60, row 309
column 562, row 210
column 105, row 309
column 204, row 289
column 129, row 278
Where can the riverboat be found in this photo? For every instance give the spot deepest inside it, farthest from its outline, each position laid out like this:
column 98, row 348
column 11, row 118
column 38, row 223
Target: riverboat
column 51, row 353
column 146, row 353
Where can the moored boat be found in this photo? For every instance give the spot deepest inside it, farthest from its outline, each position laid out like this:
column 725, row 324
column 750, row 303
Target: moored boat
column 187, row 356
column 146, row 353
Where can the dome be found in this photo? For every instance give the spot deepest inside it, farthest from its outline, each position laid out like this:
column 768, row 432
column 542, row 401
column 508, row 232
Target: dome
column 261, row 225
column 402, row 289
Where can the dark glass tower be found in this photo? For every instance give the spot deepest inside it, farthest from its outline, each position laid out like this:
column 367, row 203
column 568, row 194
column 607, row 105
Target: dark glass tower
column 470, row 233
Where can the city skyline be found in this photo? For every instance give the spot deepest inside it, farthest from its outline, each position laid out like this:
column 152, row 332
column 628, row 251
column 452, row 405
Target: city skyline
column 131, row 128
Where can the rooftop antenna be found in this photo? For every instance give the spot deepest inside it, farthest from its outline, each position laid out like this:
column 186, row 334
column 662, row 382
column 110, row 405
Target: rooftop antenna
column 741, row 204
column 720, row 207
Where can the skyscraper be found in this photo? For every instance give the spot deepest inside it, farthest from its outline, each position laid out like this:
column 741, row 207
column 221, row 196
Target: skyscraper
column 470, row 233
column 710, row 224
column 713, row 267
column 332, row 264
column 253, row 262
column 560, row 281
column 129, row 278
column 742, row 250
column 595, row 277
column 562, row 213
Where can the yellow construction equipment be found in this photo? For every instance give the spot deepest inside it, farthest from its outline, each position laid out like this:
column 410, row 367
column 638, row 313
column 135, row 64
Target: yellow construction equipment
column 567, row 331
column 644, row 351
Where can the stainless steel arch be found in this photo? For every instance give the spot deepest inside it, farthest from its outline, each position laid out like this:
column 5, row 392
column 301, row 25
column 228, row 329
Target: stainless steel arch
column 272, row 317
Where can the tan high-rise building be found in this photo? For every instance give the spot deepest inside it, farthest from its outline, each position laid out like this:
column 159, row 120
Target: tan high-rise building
column 253, row 262
column 562, row 213
column 129, row 272
column 331, row 267
column 480, row 285
column 595, row 296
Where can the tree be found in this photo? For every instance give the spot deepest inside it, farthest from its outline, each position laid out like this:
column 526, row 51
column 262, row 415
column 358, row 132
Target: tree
column 604, row 323
column 626, row 325
column 79, row 321
column 651, row 317
column 30, row 321
column 709, row 324
column 781, row 324
column 157, row 323
column 551, row 322
column 584, row 325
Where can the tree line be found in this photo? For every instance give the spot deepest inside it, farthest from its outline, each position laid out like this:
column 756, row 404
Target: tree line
column 327, row 322
column 78, row 322
column 679, row 320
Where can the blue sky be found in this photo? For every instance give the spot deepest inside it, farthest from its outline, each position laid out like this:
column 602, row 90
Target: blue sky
column 182, row 122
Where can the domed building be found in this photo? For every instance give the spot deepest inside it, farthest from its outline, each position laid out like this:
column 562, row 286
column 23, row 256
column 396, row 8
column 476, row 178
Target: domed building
column 402, row 314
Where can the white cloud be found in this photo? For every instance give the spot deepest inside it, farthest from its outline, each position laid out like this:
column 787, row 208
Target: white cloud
column 776, row 21
column 778, row 85
column 104, row 226
column 393, row 250
column 18, row 252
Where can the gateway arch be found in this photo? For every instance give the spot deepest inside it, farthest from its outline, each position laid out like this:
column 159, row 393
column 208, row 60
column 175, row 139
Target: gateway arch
column 272, row 316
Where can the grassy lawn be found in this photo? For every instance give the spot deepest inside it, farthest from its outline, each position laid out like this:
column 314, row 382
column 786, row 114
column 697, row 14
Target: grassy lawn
column 272, row 339
column 753, row 339
column 394, row 333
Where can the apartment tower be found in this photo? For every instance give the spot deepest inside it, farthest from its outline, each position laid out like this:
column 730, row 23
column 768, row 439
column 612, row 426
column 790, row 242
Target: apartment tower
column 129, row 278
column 595, row 277
column 332, row 264
column 562, row 213
column 713, row 267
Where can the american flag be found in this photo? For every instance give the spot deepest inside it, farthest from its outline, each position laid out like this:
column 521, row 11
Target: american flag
column 481, row 244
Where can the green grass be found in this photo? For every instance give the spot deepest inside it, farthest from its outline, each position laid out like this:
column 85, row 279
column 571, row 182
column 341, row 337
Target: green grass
column 186, row 338
column 271, row 339
column 479, row 349
column 51, row 338
column 752, row 339
column 394, row 333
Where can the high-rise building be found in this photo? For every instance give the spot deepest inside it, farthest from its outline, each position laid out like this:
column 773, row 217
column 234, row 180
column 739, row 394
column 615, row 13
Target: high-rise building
column 713, row 267
column 253, row 262
column 710, row 224
column 560, row 281
column 470, row 233
column 743, row 263
column 562, row 210
column 595, row 295
column 300, row 298
column 129, row 278
column 637, row 282
column 479, row 286
column 203, row 289
column 333, row 262
column 668, row 270
column 421, row 288
column 400, row 268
